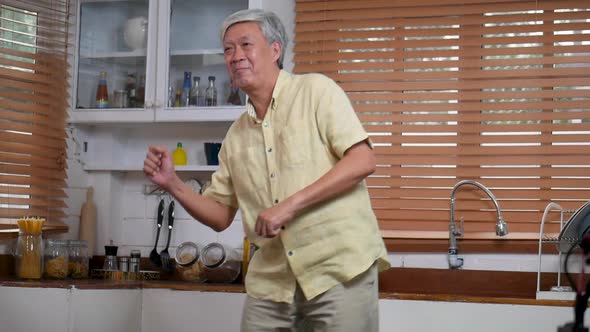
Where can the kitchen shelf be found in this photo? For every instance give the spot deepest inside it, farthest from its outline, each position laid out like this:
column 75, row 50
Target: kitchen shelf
column 216, row 51
column 200, row 114
column 109, row 55
column 139, row 168
column 167, row 115
column 111, row 115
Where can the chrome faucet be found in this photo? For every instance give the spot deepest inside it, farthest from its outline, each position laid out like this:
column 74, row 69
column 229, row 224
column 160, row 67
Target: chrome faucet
column 501, row 228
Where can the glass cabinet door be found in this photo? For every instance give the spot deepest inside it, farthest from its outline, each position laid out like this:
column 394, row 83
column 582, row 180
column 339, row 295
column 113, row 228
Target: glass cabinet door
column 195, row 55
column 113, row 56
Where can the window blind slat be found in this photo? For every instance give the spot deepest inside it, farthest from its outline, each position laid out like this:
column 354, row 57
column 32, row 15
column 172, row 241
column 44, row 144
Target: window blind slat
column 33, row 103
column 441, row 9
column 491, row 91
column 336, row 25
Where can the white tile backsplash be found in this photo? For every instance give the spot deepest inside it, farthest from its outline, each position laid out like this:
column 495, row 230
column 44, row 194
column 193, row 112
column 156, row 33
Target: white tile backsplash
column 128, row 217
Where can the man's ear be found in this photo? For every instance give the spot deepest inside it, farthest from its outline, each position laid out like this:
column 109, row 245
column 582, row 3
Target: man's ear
column 276, row 51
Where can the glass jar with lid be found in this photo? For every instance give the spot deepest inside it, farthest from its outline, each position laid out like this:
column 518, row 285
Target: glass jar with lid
column 56, row 259
column 221, row 264
column 188, row 266
column 78, row 266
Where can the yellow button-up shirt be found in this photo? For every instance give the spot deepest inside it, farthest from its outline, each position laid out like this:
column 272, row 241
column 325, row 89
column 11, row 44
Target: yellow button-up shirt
column 309, row 125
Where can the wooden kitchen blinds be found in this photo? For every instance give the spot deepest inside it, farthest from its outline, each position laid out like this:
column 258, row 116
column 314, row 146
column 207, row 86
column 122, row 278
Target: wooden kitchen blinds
column 33, row 104
column 496, row 91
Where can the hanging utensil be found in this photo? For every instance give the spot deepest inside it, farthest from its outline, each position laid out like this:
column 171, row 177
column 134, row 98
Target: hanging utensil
column 154, row 256
column 166, row 263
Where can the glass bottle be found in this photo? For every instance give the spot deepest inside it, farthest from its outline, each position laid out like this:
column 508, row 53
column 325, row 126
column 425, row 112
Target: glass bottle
column 79, row 259
column 221, row 264
column 233, row 97
column 211, row 92
column 56, row 259
column 186, row 90
column 195, row 95
column 131, row 91
column 177, row 98
column 102, row 94
column 140, row 96
column 170, row 96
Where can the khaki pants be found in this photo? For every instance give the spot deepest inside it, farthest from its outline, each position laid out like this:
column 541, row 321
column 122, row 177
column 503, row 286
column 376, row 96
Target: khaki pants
column 349, row 307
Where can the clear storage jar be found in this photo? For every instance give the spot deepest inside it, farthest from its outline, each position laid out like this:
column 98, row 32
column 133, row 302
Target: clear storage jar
column 221, row 264
column 79, row 259
column 56, row 259
column 188, row 266
column 29, row 255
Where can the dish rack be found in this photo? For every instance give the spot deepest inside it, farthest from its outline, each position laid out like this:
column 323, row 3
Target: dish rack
column 557, row 292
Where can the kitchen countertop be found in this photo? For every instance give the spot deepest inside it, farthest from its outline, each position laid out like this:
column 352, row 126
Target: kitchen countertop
column 395, row 284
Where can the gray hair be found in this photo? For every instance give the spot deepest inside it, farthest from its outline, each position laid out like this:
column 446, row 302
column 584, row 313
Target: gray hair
column 271, row 26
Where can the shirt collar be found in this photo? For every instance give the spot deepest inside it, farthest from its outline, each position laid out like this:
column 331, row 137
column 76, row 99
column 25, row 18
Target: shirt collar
column 281, row 82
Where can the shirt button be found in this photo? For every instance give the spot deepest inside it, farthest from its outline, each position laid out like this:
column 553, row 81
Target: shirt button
column 272, row 175
column 269, row 150
column 282, row 227
column 265, row 124
column 290, row 253
column 276, row 201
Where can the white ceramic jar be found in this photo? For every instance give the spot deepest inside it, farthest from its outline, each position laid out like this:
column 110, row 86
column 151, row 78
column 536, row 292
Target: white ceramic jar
column 135, row 32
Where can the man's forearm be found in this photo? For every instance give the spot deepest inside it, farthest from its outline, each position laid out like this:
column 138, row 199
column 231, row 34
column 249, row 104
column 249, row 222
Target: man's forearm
column 206, row 210
column 358, row 163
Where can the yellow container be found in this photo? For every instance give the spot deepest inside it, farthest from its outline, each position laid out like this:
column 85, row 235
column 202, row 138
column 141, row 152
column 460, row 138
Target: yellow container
column 179, row 155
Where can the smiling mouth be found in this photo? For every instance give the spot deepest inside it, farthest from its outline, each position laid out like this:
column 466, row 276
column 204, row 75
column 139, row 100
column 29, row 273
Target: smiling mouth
column 236, row 70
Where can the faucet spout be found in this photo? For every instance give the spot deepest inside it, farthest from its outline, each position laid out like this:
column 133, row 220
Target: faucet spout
column 501, row 226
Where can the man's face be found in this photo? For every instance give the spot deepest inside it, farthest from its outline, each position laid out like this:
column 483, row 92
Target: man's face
column 248, row 57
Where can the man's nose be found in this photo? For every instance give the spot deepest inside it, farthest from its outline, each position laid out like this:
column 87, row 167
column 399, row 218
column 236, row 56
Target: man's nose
column 237, row 55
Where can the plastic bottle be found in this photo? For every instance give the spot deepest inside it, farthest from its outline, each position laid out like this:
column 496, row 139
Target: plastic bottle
column 211, row 92
column 179, row 155
column 87, row 230
column 102, row 94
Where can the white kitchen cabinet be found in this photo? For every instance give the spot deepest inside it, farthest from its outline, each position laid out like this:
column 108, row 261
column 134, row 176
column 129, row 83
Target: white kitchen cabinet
column 181, row 36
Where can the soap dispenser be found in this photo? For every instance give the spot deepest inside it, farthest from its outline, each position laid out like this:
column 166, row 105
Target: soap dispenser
column 179, row 155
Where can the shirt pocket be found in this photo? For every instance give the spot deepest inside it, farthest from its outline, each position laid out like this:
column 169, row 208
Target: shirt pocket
column 292, row 149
